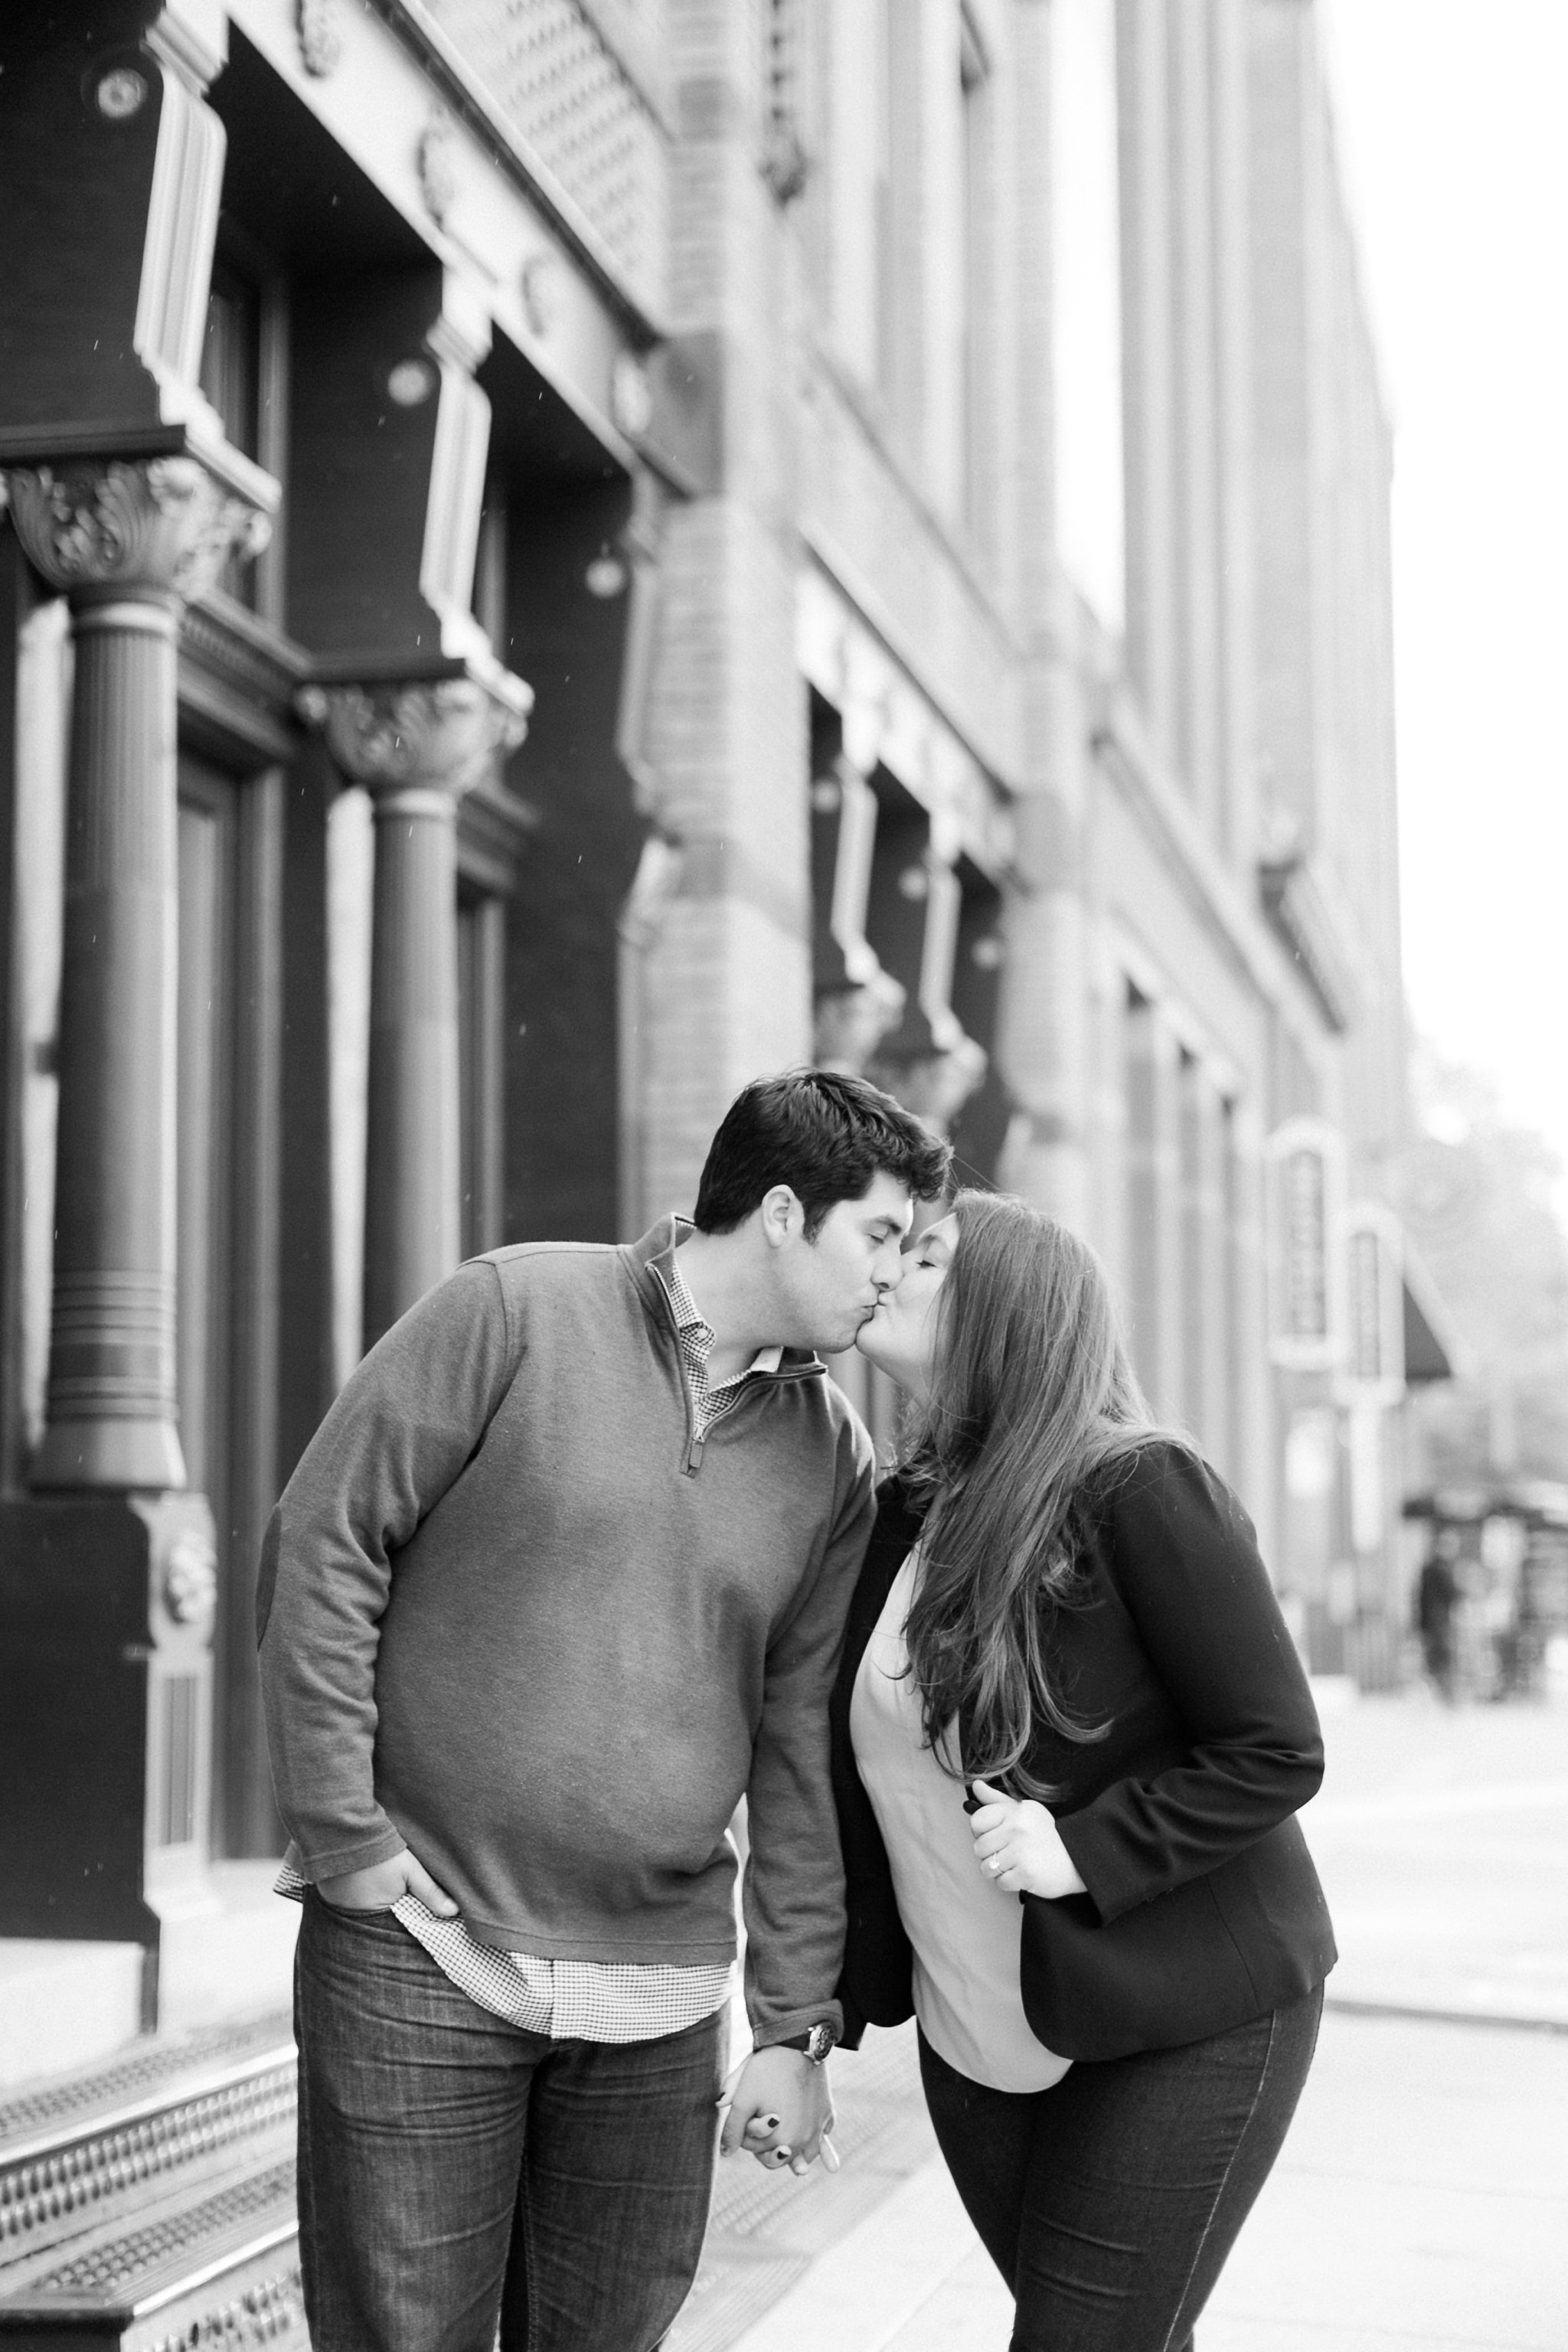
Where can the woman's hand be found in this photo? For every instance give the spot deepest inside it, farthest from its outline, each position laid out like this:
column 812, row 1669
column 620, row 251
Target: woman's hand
column 777, row 2107
column 1019, row 1846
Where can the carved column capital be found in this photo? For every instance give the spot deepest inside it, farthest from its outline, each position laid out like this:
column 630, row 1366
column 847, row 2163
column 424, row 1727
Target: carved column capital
column 434, row 735
column 143, row 525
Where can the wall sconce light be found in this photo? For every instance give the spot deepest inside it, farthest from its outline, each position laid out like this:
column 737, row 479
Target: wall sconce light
column 606, row 576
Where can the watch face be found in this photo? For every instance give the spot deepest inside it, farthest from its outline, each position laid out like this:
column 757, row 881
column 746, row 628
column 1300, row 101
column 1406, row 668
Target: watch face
column 819, row 2042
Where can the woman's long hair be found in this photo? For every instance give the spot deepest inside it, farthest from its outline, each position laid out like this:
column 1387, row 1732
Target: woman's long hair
column 1032, row 1397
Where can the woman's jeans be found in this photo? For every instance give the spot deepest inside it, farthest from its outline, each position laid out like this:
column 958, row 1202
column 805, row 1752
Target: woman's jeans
column 453, row 2169
column 1110, row 2202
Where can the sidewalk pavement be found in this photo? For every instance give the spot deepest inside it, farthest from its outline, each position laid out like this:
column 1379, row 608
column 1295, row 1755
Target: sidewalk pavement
column 1422, row 2199
column 1442, row 1837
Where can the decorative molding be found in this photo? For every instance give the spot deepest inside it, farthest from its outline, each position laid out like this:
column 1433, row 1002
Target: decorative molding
column 454, row 505
column 491, row 130
column 270, row 2310
column 112, row 1353
column 104, row 2098
column 850, row 1023
column 164, row 524
column 656, row 886
column 190, row 1579
column 84, row 2170
column 540, row 289
column 192, row 36
column 225, row 637
column 321, row 41
column 786, row 163
column 1305, row 1164
column 239, row 678
column 631, row 395
column 441, row 735
column 108, row 2272
column 1298, row 899
column 177, row 255
column 891, row 721
column 493, row 826
column 935, row 1086
column 438, row 167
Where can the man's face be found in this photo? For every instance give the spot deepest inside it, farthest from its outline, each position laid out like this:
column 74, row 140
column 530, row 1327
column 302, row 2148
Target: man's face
column 829, row 1286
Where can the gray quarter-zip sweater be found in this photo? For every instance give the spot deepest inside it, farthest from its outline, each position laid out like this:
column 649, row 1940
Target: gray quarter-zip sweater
column 514, row 1615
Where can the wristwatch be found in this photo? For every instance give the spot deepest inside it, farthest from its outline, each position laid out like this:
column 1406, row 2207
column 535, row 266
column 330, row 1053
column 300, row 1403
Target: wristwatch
column 814, row 2043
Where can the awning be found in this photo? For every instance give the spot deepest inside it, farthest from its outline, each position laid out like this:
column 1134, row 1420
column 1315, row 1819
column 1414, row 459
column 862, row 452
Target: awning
column 1425, row 1355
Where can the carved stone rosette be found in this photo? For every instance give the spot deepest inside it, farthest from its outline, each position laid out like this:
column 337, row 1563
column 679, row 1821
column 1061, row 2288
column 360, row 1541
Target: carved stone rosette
column 321, row 40
column 152, row 525
column 442, row 735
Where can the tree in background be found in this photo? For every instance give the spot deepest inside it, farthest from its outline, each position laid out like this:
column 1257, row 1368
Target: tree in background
column 1482, row 1205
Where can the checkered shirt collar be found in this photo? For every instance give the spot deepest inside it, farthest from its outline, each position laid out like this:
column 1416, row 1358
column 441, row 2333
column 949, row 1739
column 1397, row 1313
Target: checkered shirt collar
column 696, row 1334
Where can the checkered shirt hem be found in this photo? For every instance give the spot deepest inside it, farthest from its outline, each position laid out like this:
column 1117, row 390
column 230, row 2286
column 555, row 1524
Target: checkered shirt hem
column 571, row 2001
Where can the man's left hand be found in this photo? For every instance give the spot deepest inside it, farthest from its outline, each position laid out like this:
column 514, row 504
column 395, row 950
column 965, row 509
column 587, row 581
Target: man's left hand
column 1019, row 1847
column 780, row 2107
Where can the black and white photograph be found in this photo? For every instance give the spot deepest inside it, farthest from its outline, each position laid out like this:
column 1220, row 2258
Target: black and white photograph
column 784, row 1176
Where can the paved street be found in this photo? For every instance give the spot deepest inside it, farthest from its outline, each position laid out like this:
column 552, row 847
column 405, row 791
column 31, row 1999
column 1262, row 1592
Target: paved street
column 1442, row 1837
column 1423, row 2197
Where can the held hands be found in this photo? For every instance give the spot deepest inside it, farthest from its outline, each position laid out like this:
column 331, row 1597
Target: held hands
column 384, row 1884
column 1019, row 1846
column 777, row 2107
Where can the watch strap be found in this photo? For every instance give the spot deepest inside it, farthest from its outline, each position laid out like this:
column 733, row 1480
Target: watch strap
column 814, row 2043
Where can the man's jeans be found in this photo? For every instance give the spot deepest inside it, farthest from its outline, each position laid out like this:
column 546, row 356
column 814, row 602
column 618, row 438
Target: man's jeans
column 446, row 2156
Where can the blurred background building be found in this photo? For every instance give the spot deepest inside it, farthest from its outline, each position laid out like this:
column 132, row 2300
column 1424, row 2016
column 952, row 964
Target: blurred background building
column 564, row 554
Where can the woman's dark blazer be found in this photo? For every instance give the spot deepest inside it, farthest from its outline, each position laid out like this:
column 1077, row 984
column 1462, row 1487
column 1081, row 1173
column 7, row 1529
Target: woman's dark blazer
column 1204, row 1910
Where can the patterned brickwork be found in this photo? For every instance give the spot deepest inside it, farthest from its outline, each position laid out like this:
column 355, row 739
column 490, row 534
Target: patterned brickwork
column 578, row 109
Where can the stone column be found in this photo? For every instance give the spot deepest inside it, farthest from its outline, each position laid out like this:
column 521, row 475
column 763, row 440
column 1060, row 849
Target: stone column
column 418, row 747
column 128, row 541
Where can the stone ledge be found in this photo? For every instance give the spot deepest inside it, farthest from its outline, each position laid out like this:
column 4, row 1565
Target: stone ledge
column 65, row 2004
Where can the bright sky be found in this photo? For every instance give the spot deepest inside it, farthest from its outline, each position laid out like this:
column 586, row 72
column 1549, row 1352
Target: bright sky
column 1455, row 155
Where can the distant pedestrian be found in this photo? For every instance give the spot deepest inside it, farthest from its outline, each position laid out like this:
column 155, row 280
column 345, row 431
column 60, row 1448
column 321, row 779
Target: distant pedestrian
column 1438, row 1595
column 1063, row 1606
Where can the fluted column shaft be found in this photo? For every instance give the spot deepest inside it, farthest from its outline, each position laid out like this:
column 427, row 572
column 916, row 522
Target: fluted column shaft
column 111, row 1408
column 418, row 747
column 413, row 1213
column 128, row 541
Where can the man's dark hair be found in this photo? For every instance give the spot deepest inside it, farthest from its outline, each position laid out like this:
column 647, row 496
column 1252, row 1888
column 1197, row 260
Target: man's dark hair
column 826, row 1136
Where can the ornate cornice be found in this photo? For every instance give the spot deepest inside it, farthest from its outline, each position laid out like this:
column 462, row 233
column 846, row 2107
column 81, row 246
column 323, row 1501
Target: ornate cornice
column 441, row 735
column 1298, row 898
column 225, row 639
column 167, row 523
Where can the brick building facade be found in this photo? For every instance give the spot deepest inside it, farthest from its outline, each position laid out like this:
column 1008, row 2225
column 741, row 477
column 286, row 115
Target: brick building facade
column 561, row 554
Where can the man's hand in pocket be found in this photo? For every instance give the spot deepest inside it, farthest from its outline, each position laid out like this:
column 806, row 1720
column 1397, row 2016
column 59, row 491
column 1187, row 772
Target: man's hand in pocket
column 384, row 1884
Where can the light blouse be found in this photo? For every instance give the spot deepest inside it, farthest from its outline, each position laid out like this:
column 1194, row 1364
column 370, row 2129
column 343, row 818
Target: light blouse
column 966, row 1933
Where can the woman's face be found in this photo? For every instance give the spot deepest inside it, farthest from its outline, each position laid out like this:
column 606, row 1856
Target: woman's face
column 900, row 1337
